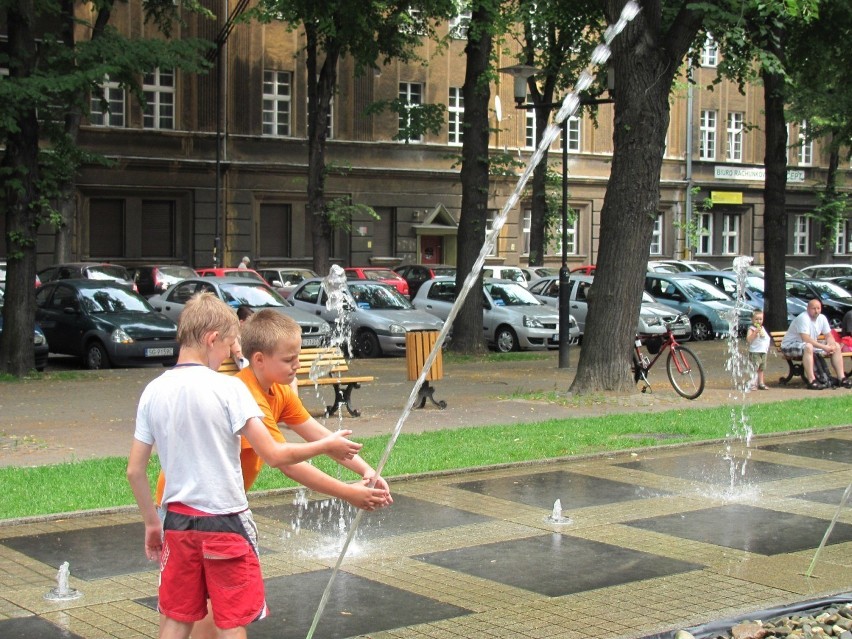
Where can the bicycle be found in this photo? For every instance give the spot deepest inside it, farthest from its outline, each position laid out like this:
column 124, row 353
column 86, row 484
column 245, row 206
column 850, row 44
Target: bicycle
column 683, row 367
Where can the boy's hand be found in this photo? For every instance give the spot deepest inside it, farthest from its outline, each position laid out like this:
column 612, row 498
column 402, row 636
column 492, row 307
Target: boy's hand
column 338, row 447
column 379, row 483
column 366, row 498
column 153, row 542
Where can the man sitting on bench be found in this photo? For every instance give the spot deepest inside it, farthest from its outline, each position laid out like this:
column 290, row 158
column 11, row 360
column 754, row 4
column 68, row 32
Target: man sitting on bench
column 802, row 340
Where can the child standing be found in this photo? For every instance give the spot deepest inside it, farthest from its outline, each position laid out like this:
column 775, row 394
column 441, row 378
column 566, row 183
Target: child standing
column 195, row 417
column 758, row 347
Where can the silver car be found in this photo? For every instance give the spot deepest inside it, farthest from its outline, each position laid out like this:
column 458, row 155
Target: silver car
column 378, row 315
column 236, row 292
column 512, row 318
column 653, row 316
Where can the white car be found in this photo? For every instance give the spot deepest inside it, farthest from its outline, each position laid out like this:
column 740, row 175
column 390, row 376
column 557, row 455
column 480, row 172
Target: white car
column 535, row 273
column 653, row 316
column 511, row 273
column 512, row 318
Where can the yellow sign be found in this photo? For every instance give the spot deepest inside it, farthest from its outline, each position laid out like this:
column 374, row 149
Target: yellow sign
column 726, row 197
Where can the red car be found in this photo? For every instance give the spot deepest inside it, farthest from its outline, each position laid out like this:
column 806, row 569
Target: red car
column 231, row 272
column 378, row 274
column 586, row 269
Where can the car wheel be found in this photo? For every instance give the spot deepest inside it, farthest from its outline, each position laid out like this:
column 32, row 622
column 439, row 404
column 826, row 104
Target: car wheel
column 701, row 329
column 96, row 357
column 506, row 340
column 367, row 344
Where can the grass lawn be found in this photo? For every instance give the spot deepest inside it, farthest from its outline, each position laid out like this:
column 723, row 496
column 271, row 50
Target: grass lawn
column 101, row 483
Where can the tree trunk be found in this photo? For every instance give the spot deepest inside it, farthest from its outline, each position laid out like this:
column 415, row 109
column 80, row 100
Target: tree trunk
column 644, row 62
column 467, row 328
column 20, row 160
column 829, row 222
column 538, row 207
column 774, row 194
column 320, row 90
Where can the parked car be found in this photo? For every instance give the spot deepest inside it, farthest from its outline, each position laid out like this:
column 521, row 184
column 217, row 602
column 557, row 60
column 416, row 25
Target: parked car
column 99, row 271
column 105, row 324
column 760, row 271
column 284, row 278
column 237, row 291
column 653, row 316
column 229, row 271
column 513, row 319
column 378, row 274
column 39, row 341
column 416, row 274
column 533, row 273
column 836, row 300
column 844, row 282
column 726, row 281
column 823, row 271
column 585, row 269
column 662, row 267
column 684, row 266
column 708, row 308
column 511, row 273
column 3, row 276
column 151, row 279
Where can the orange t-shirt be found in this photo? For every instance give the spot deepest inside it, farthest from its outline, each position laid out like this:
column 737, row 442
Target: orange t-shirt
column 280, row 404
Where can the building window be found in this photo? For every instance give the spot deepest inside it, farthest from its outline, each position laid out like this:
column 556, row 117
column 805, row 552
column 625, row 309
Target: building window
column 735, row 137
column 571, row 246
column 491, row 215
column 707, row 150
column 529, row 127
column 159, row 90
column 455, row 111
column 657, row 236
column 133, row 227
column 730, row 234
column 801, row 234
column 277, row 92
column 411, row 95
column 525, row 238
column 275, row 228
column 329, row 120
column 705, row 234
column 158, row 228
column 843, row 243
column 106, row 239
column 460, row 23
column 710, row 52
column 573, row 133
column 107, row 105
column 806, row 146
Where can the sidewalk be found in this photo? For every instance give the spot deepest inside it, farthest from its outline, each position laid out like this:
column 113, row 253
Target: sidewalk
column 655, row 540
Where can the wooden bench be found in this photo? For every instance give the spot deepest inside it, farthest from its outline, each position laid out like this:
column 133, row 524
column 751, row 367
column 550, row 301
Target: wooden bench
column 328, row 367
column 794, row 364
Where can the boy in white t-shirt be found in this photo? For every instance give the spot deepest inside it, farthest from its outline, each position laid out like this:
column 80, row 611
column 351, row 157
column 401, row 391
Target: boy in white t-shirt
column 758, row 347
column 207, row 544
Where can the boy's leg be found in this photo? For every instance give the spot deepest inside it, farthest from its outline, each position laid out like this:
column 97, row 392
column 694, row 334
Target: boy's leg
column 172, row 629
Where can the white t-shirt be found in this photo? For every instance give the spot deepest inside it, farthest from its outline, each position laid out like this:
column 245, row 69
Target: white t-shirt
column 193, row 416
column 804, row 324
column 759, row 344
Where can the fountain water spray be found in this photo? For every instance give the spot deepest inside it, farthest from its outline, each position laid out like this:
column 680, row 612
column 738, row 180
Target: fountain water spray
column 62, row 592
column 556, row 516
column 570, row 104
column 843, row 501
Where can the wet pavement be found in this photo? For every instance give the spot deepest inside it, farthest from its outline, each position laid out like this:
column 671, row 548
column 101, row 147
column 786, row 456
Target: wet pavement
column 656, row 539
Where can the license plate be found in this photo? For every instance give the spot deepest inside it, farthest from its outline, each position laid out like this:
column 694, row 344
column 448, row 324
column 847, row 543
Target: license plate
column 158, row 352
column 310, row 342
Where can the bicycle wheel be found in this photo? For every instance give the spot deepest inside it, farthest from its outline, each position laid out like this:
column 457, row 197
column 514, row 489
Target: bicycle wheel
column 685, row 372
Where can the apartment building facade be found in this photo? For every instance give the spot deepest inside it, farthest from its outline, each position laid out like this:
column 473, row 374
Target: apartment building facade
column 220, row 160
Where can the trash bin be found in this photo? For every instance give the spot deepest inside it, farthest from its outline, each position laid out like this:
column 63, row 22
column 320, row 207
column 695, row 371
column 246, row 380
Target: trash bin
column 418, row 345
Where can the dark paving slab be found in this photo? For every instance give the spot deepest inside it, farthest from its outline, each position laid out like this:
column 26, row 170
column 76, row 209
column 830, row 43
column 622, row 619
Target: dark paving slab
column 555, row 565
column 351, row 609
column 92, row 553
column 756, row 530
column 715, row 469
column 830, row 496
column 33, row 628
column 407, row 515
column 829, row 449
column 574, row 490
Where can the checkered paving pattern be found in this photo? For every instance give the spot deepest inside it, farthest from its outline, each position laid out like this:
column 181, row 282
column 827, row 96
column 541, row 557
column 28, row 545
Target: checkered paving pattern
column 656, row 541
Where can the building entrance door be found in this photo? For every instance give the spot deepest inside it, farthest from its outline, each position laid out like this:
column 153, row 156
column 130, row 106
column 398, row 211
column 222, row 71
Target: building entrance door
column 431, row 249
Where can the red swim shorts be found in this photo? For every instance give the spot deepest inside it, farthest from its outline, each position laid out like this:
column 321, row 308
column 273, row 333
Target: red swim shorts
column 209, row 557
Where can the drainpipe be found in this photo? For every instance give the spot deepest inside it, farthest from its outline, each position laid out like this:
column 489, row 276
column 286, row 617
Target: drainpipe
column 688, row 176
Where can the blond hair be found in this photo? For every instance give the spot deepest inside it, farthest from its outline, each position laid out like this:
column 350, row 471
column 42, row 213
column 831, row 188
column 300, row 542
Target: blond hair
column 205, row 313
column 264, row 331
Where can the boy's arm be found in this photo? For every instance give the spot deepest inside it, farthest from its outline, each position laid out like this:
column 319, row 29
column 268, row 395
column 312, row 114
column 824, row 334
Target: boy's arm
column 276, row 455
column 137, row 476
column 358, row 494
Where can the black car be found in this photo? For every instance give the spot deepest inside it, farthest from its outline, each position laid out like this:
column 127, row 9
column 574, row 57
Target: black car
column 836, row 301
column 153, row 279
column 99, row 271
column 39, row 341
column 416, row 274
column 104, row 323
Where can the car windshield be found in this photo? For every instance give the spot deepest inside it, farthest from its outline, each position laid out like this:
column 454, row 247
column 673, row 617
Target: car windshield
column 447, row 271
column 702, row 291
column 702, row 266
column 254, row 295
column 513, row 274
column 107, row 272
column 295, row 277
column 377, row 297
column 830, row 291
column 176, row 272
column 507, row 294
column 381, row 274
column 113, row 300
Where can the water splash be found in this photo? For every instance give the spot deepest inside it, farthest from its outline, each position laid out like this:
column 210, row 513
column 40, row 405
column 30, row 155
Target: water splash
column 556, row 516
column 570, row 104
column 62, row 591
